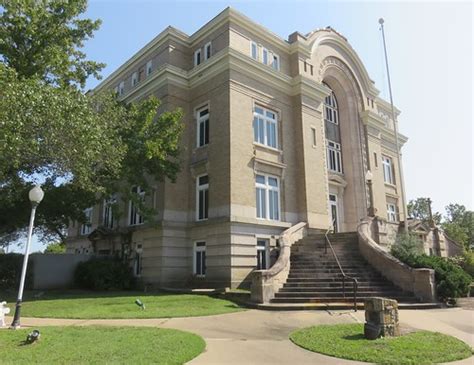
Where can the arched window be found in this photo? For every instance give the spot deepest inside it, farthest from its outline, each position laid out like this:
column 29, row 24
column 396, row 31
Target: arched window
column 331, row 112
column 333, row 139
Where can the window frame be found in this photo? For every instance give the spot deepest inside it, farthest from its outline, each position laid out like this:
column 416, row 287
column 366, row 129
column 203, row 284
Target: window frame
column 199, row 121
column 121, row 88
column 199, row 247
column 135, row 79
column 333, row 107
column 140, row 220
column 388, row 170
column 107, row 212
column 277, row 58
column 252, row 45
column 196, row 53
column 337, row 152
column 266, row 120
column 266, row 252
column 392, row 213
column 267, row 189
column 207, row 46
column 149, row 67
column 86, row 227
column 204, row 188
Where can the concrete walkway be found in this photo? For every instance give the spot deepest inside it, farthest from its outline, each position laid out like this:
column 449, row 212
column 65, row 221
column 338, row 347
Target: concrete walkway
column 261, row 337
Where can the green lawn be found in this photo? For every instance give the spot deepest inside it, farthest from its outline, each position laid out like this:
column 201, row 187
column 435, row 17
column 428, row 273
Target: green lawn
column 347, row 341
column 91, row 305
column 100, row 345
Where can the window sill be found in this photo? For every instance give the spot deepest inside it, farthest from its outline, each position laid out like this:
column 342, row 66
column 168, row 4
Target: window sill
column 267, row 148
column 390, row 185
column 201, row 220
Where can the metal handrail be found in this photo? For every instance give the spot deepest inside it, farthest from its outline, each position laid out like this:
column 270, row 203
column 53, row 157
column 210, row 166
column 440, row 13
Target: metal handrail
column 344, row 276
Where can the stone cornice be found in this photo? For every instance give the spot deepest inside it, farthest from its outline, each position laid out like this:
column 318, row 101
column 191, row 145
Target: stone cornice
column 373, row 120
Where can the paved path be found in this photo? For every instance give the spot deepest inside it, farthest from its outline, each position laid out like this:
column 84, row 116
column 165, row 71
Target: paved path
column 261, row 337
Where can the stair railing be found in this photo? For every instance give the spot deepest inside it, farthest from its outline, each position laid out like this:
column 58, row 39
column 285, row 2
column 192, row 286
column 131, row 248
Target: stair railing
column 344, row 276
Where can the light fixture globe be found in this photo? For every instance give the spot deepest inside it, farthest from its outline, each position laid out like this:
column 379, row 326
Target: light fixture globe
column 36, row 195
column 381, row 21
column 368, row 176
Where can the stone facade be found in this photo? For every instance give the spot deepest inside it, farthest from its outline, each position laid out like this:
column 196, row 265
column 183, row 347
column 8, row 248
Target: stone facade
column 235, row 68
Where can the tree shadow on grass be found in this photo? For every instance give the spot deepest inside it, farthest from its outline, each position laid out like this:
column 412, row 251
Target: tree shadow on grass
column 355, row 337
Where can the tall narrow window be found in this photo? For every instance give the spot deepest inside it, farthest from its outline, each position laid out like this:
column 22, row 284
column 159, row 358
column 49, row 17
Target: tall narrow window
column 199, row 262
column 254, row 50
column 391, row 212
column 276, row 62
column 267, row 197
column 134, row 216
column 137, row 265
column 207, row 51
column 265, row 56
column 86, row 227
column 148, row 67
column 388, row 170
column 331, row 112
column 202, row 197
column 197, row 57
column 262, row 254
column 134, row 78
column 203, row 126
column 265, row 128
column 107, row 214
column 121, row 88
column 334, row 159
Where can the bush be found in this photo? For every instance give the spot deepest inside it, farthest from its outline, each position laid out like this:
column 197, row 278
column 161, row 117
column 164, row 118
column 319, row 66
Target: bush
column 10, row 271
column 104, row 274
column 407, row 245
column 451, row 280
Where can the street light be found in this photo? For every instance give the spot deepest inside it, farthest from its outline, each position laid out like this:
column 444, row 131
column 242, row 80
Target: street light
column 35, row 195
column 368, row 177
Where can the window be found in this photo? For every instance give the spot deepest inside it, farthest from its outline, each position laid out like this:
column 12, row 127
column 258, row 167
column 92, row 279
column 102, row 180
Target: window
column 197, row 57
column 313, row 135
column 86, row 227
column 391, row 212
column 203, row 126
column 267, row 197
column 107, row 214
column 137, row 265
column 148, row 67
column 199, row 267
column 265, row 127
column 334, row 159
column 135, row 218
column 376, row 160
column 388, row 170
column 207, row 51
column 265, row 56
column 331, row 113
column 276, row 62
column 262, row 254
column 116, row 89
column 202, row 197
column 134, row 79
column 121, row 88
column 254, row 50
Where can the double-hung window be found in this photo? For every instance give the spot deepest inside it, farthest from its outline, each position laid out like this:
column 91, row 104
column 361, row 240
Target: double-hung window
column 86, row 227
column 199, row 262
column 107, row 214
column 265, row 127
column 121, row 88
column 203, row 126
column 388, row 170
column 134, row 216
column 391, row 212
column 148, row 67
column 334, row 159
column 267, row 197
column 276, row 62
column 197, row 57
column 134, row 78
column 202, row 197
column 254, row 50
column 262, row 254
column 207, row 51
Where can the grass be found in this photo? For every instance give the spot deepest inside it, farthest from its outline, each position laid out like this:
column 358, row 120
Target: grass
column 347, row 341
column 100, row 345
column 120, row 305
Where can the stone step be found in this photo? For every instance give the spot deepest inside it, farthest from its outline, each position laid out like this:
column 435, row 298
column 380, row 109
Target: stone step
column 335, row 284
column 339, row 294
column 331, row 299
column 349, row 287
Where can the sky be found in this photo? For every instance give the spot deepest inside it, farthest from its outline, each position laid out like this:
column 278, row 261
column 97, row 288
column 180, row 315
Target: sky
column 430, row 48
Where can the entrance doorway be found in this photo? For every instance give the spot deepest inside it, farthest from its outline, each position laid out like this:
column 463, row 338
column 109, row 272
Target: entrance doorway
column 334, row 212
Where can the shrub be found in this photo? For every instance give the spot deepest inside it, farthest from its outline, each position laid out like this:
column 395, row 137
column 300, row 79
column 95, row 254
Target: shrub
column 10, row 271
column 104, row 274
column 407, row 245
column 466, row 261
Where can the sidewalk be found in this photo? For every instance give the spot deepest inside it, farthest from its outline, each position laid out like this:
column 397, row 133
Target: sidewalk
column 261, row 337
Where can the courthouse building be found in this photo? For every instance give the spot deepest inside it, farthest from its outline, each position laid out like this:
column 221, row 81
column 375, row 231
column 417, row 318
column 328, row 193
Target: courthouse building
column 277, row 132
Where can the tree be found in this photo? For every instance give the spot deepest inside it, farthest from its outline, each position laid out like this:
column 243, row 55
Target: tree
column 85, row 146
column 459, row 224
column 420, row 209
column 55, row 247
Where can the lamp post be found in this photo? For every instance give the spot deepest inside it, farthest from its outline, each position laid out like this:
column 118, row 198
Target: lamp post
column 371, row 210
column 395, row 127
column 35, row 195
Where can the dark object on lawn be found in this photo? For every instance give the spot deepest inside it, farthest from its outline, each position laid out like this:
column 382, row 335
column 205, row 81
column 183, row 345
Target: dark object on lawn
column 33, row 336
column 140, row 303
column 381, row 318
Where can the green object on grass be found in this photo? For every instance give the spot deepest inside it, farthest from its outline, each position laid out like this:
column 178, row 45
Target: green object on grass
column 346, row 341
column 100, row 345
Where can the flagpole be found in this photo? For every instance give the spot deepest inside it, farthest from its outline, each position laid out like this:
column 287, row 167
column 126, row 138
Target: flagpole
column 395, row 126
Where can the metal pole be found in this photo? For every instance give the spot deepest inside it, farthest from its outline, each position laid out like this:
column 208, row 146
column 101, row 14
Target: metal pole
column 395, row 126
column 16, row 319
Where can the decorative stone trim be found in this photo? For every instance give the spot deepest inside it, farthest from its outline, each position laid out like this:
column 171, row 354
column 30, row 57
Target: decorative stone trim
column 265, row 283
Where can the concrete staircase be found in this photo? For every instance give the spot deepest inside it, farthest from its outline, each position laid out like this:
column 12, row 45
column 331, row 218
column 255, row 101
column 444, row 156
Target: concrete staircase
column 315, row 277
